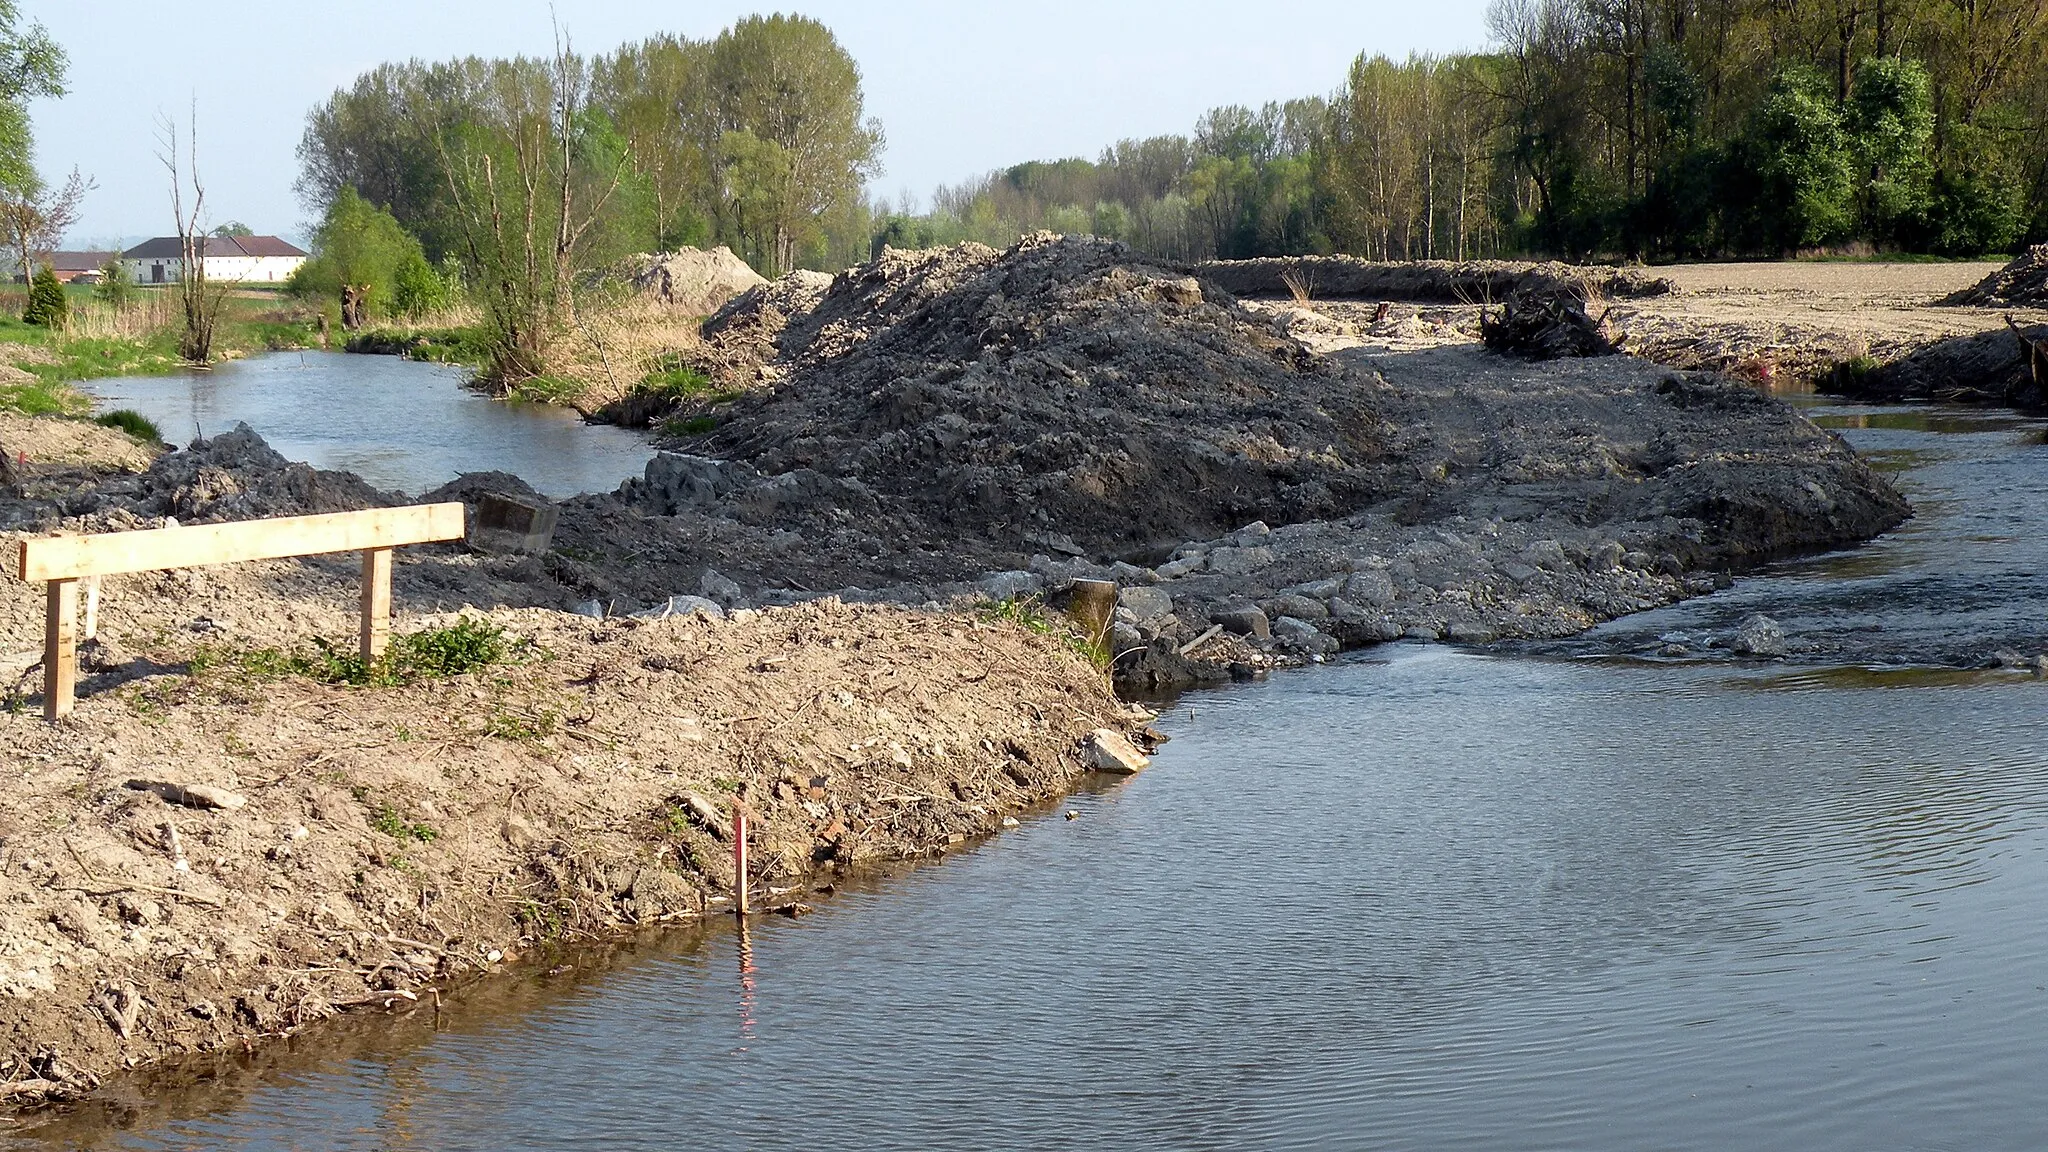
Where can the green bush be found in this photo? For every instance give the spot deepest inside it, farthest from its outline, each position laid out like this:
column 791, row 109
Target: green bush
column 47, row 304
column 416, row 288
column 132, row 422
column 115, row 287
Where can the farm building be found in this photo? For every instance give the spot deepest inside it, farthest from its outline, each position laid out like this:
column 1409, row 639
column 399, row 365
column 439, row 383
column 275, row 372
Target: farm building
column 83, row 267
column 258, row 259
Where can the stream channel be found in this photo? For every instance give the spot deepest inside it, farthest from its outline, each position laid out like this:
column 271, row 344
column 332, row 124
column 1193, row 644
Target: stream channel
column 1579, row 896
column 397, row 423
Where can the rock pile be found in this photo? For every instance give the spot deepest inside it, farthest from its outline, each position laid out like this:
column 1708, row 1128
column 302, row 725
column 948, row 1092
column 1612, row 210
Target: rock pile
column 2022, row 283
column 1436, row 281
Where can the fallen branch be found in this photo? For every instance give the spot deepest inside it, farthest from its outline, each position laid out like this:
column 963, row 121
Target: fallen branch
column 1197, row 642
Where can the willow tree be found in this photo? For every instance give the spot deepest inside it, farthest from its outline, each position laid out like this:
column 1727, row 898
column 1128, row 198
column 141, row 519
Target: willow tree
column 530, row 168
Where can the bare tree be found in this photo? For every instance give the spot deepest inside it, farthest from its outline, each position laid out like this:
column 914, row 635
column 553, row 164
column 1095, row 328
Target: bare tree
column 36, row 218
column 200, row 308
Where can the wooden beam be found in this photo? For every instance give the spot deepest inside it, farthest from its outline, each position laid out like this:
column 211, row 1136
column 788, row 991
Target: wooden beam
column 376, row 626
column 69, row 557
column 60, row 656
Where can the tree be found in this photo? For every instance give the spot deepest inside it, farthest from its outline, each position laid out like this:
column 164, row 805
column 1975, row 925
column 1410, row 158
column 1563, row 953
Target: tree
column 232, row 228
column 527, row 183
column 795, row 141
column 416, row 289
column 1793, row 167
column 31, row 65
column 115, row 286
column 358, row 250
column 47, row 304
column 35, row 218
column 1890, row 120
column 199, row 309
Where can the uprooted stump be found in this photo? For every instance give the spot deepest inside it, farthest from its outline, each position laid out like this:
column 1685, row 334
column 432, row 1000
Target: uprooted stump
column 1545, row 325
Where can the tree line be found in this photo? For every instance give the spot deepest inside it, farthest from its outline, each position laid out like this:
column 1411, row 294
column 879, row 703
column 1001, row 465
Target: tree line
column 1651, row 129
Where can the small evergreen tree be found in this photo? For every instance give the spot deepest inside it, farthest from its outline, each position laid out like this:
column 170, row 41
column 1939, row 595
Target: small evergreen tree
column 47, row 304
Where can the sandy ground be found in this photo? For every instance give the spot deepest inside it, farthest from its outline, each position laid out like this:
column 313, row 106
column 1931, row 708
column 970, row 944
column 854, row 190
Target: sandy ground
column 1777, row 323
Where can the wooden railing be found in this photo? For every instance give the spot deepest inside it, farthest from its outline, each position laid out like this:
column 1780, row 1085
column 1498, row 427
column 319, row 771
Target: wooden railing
column 63, row 561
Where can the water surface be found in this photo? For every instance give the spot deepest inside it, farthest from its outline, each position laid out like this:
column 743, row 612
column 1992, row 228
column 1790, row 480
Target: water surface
column 397, row 423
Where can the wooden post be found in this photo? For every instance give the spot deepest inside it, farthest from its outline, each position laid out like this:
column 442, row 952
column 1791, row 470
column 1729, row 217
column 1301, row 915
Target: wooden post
column 376, row 629
column 1093, row 606
column 739, row 859
column 60, row 656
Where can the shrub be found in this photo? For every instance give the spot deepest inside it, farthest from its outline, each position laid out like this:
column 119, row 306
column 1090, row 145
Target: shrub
column 416, row 288
column 132, row 422
column 115, row 287
column 47, row 304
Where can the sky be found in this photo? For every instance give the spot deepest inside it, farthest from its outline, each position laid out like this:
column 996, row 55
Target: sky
column 961, row 87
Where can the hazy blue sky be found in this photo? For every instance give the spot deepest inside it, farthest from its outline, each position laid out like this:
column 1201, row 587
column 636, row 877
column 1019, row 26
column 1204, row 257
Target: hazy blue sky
column 960, row 88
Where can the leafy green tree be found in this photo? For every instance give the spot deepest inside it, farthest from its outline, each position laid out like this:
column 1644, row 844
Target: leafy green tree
column 233, row 228
column 358, row 246
column 416, row 289
column 796, row 141
column 1890, row 120
column 1793, row 168
column 116, row 287
column 47, row 304
column 32, row 64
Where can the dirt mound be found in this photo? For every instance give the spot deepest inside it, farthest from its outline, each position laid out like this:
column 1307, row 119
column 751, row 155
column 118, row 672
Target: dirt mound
column 1545, row 325
column 1438, row 281
column 2024, row 282
column 692, row 280
column 1065, row 381
column 2008, row 367
column 234, row 476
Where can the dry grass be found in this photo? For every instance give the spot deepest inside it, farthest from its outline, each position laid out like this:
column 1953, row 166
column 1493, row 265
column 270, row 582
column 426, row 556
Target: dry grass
column 610, row 347
column 1300, row 286
column 139, row 319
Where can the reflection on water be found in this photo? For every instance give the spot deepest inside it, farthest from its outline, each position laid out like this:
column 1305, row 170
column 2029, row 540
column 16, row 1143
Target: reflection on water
column 1437, row 901
column 397, row 423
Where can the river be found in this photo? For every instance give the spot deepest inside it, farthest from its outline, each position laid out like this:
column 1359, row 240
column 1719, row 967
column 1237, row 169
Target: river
column 397, row 423
column 1569, row 897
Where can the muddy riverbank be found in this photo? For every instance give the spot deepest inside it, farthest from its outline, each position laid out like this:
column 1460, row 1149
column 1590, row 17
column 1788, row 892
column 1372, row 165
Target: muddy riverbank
column 361, row 848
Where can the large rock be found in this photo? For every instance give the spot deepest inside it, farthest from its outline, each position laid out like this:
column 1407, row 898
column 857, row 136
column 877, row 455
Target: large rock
column 1145, row 603
column 695, row 281
column 1760, row 636
column 1244, row 622
column 675, row 481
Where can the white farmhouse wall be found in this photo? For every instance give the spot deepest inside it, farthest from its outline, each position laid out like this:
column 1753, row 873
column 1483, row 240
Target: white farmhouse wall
column 239, row 269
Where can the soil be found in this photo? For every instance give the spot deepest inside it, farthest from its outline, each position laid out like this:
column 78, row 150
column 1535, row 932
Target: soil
column 394, row 842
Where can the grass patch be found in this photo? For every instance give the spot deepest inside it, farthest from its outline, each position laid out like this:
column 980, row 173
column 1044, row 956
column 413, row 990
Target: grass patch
column 429, row 654
column 1031, row 614
column 468, row 346
column 133, row 423
column 546, row 389
column 688, row 425
column 387, row 820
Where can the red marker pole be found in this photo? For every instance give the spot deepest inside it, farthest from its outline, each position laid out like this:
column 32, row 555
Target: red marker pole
column 739, row 860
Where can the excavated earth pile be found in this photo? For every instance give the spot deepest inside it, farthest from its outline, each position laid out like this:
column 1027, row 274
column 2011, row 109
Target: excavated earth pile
column 1063, row 387
column 2007, row 367
column 2022, row 283
column 1433, row 281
